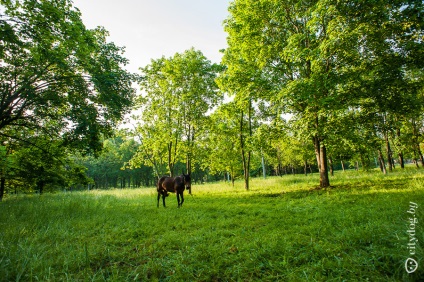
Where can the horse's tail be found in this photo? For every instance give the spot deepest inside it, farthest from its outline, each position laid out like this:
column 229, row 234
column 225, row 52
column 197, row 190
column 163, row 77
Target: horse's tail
column 159, row 183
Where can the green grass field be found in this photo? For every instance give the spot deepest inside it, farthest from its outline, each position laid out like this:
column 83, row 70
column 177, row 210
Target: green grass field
column 282, row 230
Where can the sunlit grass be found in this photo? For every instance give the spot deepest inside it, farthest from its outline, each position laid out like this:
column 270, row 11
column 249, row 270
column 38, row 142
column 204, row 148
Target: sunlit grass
column 282, row 229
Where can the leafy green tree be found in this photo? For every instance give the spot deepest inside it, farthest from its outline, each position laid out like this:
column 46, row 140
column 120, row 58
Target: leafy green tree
column 58, row 77
column 179, row 92
column 318, row 57
column 222, row 142
column 288, row 42
column 39, row 165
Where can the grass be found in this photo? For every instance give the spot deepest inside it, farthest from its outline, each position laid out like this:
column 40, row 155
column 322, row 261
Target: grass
column 284, row 229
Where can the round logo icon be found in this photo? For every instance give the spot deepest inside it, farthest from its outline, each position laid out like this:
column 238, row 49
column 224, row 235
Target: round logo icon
column 411, row 265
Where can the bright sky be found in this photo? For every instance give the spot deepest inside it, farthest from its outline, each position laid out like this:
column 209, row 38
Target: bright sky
column 150, row 29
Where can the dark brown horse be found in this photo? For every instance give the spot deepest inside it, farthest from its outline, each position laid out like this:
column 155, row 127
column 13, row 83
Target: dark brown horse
column 174, row 185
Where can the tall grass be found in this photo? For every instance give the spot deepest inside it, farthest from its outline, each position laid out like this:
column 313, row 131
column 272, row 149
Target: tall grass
column 282, row 229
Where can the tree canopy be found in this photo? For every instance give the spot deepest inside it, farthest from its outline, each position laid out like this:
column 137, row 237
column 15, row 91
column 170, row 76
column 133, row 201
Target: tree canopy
column 60, row 83
column 318, row 59
column 57, row 77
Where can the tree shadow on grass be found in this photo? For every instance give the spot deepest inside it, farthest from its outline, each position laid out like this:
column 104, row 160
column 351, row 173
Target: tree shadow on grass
column 380, row 186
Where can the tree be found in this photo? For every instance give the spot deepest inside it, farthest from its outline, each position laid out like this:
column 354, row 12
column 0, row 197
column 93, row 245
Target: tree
column 222, row 142
column 58, row 77
column 179, row 92
column 38, row 165
column 312, row 56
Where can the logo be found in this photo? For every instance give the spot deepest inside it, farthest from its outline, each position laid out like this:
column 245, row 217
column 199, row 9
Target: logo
column 411, row 265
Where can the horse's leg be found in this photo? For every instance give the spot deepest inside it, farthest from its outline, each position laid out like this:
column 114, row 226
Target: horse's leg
column 178, row 198
column 158, row 198
column 163, row 198
column 182, row 198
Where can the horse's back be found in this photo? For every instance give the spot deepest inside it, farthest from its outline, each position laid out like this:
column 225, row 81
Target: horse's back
column 167, row 183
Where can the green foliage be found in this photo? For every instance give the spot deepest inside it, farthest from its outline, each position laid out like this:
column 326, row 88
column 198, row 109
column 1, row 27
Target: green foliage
column 221, row 143
column 323, row 60
column 112, row 169
column 57, row 77
column 280, row 230
column 179, row 92
column 42, row 166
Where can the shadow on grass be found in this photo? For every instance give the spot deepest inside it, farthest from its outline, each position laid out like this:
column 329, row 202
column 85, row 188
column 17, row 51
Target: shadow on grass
column 398, row 185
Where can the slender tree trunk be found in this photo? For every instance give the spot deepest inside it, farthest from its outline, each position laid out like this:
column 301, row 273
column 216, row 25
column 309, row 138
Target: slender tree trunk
column 343, row 166
column 400, row 154
column 362, row 161
column 388, row 151
column 420, row 155
column 232, row 177
column 381, row 162
column 321, row 155
column 170, row 166
column 188, row 164
column 305, row 168
column 249, row 154
column 246, row 155
column 2, row 187
column 401, row 161
column 40, row 186
column 417, row 143
column 243, row 155
column 323, row 175
column 263, row 167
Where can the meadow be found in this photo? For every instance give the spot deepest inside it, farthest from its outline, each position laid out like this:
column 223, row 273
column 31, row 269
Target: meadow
column 283, row 229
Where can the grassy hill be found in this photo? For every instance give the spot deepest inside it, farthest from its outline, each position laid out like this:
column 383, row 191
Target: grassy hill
column 284, row 229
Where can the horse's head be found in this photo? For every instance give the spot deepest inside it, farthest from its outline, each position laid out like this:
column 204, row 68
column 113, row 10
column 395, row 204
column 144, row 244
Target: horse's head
column 187, row 181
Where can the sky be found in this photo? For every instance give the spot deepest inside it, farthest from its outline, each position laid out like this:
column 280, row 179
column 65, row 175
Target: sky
column 150, row 29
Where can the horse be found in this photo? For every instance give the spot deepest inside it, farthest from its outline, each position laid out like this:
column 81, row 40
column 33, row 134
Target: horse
column 177, row 185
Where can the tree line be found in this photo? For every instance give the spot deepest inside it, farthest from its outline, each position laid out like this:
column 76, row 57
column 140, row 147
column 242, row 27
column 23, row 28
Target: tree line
column 303, row 85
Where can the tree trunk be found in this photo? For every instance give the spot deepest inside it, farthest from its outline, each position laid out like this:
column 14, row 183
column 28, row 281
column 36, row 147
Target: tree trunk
column 2, row 187
column 317, row 151
column 420, row 155
column 323, row 175
column 417, row 143
column 305, row 168
column 188, row 164
column 321, row 155
column 40, row 186
column 243, row 155
column 343, row 166
column 362, row 161
column 388, row 151
column 246, row 155
column 381, row 162
column 170, row 165
column 263, row 167
column 401, row 161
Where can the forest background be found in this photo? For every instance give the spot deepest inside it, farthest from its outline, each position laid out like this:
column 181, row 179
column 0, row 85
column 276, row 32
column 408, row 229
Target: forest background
column 303, row 87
